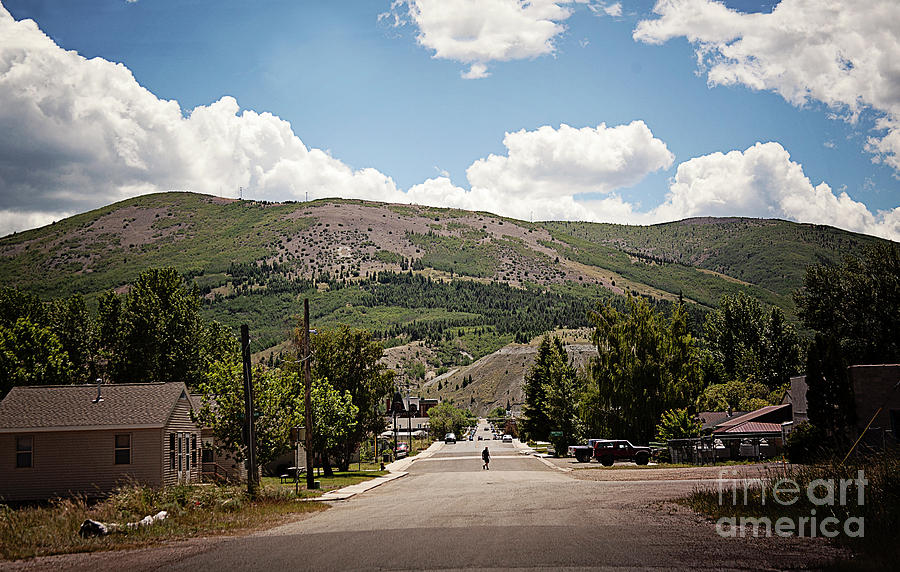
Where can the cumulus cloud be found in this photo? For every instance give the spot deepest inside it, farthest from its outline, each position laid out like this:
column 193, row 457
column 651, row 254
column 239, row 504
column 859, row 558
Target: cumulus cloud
column 763, row 182
column 476, row 32
column 550, row 162
column 548, row 175
column 845, row 56
column 80, row 133
column 76, row 134
column 544, row 173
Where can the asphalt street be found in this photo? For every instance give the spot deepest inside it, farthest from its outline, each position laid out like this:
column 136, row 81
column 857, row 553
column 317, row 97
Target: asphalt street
column 449, row 513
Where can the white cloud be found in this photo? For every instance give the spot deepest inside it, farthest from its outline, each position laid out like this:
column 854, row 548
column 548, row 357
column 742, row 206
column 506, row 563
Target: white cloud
column 76, row 134
column 79, row 133
column 610, row 9
column 762, row 181
column 544, row 171
column 550, row 162
column 541, row 178
column 845, row 56
column 476, row 32
column 475, row 71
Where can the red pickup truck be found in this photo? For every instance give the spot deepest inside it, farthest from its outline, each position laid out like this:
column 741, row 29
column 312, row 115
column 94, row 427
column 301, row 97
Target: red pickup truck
column 608, row 451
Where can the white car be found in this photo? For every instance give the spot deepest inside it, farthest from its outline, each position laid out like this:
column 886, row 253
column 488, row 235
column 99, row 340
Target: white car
column 507, row 438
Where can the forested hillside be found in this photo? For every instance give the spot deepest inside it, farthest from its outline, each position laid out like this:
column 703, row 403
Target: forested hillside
column 465, row 282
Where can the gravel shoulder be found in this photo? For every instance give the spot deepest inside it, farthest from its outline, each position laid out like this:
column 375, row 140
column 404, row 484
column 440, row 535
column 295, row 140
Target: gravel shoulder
column 632, row 472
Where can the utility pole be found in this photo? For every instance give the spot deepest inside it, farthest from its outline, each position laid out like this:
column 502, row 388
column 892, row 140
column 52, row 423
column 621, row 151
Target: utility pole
column 307, row 399
column 249, row 430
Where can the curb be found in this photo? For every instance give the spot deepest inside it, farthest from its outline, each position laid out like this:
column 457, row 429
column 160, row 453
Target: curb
column 353, row 490
column 396, row 470
column 552, row 466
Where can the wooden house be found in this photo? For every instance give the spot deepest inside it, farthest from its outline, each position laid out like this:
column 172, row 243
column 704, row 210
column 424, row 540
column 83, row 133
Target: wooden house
column 87, row 439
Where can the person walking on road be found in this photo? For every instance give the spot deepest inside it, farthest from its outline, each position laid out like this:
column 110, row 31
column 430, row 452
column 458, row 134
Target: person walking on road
column 486, row 455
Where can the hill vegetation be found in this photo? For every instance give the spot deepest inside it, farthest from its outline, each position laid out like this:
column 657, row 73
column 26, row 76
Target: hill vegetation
column 462, row 283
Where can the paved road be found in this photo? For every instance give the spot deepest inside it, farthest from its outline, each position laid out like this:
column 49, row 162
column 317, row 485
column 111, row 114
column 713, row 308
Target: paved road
column 449, row 513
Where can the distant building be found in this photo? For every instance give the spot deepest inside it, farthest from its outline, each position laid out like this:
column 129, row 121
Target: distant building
column 873, row 386
column 68, row 440
column 753, row 435
column 421, row 405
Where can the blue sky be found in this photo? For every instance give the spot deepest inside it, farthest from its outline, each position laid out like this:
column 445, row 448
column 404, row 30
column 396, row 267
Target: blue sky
column 380, row 88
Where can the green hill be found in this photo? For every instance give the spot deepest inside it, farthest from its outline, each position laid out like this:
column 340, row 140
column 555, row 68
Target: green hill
column 467, row 283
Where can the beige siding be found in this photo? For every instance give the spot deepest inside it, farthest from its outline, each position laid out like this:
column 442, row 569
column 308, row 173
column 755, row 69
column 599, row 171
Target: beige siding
column 77, row 462
column 223, row 463
column 180, row 424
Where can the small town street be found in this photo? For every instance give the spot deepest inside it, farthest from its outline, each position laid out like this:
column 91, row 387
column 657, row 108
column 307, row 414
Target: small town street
column 449, row 513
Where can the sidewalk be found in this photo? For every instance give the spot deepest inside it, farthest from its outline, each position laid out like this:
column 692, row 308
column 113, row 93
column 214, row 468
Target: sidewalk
column 396, row 470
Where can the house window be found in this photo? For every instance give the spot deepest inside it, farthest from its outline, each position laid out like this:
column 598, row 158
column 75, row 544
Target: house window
column 193, row 449
column 172, row 451
column 123, row 449
column 24, row 452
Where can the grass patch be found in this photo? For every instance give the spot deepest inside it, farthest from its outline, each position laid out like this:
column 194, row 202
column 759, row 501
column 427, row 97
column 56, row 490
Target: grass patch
column 877, row 542
column 31, row 531
column 52, row 528
column 338, row 481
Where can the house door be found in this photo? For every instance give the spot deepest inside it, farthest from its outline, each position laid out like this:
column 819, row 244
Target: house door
column 183, row 457
column 186, row 451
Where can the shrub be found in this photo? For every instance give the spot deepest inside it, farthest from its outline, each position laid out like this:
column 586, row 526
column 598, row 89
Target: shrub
column 805, row 444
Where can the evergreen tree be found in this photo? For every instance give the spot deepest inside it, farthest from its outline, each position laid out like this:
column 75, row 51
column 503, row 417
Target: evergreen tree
column 535, row 422
column 561, row 391
column 829, row 395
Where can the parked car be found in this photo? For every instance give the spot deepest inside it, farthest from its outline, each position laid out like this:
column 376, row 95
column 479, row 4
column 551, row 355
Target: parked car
column 583, row 453
column 402, row 450
column 507, row 438
column 450, row 438
column 610, row 451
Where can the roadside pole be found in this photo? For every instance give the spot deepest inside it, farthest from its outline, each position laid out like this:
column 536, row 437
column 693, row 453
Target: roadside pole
column 249, row 429
column 307, row 400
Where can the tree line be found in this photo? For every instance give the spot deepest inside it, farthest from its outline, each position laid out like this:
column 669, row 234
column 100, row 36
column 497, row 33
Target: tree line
column 153, row 332
column 652, row 375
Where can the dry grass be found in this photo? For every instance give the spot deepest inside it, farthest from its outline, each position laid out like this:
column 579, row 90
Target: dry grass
column 878, row 548
column 30, row 531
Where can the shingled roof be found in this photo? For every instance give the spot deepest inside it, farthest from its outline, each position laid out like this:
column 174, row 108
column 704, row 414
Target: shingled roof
column 70, row 407
column 767, row 414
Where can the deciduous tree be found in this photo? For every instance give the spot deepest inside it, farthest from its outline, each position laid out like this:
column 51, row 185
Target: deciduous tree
column 677, row 424
column 31, row 355
column 856, row 303
column 646, row 364
column 278, row 407
column 351, row 361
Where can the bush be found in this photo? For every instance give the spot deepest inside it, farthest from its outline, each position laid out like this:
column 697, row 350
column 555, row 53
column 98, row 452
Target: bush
column 805, row 444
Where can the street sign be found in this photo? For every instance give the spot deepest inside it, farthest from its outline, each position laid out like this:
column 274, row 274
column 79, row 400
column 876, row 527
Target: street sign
column 556, row 433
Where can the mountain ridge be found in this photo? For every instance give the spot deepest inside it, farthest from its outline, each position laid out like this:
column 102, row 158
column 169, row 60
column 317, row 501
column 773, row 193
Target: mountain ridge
column 392, row 267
